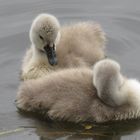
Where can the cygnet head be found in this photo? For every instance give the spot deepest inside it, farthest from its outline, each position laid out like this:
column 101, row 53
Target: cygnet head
column 105, row 69
column 44, row 35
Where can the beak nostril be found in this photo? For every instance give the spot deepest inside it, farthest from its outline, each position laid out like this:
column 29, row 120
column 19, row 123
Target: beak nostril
column 48, row 50
column 41, row 37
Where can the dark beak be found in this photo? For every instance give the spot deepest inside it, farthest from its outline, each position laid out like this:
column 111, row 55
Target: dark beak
column 51, row 54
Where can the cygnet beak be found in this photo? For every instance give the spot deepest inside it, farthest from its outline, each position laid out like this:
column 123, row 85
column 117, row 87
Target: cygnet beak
column 51, row 54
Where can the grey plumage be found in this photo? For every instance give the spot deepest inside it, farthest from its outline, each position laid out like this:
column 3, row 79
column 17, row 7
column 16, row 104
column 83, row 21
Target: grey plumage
column 77, row 45
column 71, row 95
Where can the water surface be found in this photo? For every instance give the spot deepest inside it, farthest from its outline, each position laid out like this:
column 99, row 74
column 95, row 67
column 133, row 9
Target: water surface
column 120, row 20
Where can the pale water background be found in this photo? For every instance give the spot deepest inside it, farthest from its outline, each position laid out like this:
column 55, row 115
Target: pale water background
column 120, row 20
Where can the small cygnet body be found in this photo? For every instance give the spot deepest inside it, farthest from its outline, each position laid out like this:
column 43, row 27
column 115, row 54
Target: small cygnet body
column 54, row 47
column 108, row 84
column 82, row 94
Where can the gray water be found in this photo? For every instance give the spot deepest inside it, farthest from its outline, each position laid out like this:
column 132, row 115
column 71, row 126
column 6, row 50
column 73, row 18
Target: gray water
column 120, row 20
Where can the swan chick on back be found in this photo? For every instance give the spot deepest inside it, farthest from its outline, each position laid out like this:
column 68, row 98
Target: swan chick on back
column 54, row 47
column 80, row 94
column 108, row 84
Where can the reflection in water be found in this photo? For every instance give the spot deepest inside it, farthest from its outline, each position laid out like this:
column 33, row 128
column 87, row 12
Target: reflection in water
column 70, row 131
column 120, row 20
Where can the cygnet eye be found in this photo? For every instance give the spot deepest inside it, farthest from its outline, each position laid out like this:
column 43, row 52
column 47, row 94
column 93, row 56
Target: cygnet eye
column 41, row 37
